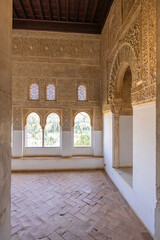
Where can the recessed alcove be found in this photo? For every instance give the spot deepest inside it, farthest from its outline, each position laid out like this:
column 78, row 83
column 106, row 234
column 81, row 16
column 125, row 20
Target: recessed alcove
column 126, row 174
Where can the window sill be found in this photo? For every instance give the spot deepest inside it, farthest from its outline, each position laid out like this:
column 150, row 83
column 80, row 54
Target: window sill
column 126, row 174
column 42, row 147
column 82, row 146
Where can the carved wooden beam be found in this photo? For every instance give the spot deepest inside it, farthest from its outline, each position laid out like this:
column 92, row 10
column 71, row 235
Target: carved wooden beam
column 76, row 10
column 85, row 10
column 22, row 9
column 49, row 8
column 40, row 8
column 67, row 10
column 94, row 10
column 62, row 26
column 14, row 13
column 58, row 10
column 106, row 5
column 30, row 8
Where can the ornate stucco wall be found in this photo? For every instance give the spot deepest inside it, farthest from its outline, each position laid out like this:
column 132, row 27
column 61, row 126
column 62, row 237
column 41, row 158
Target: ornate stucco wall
column 129, row 36
column 64, row 59
column 129, row 40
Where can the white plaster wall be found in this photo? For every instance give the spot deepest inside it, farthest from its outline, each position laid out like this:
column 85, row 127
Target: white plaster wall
column 126, row 141
column 66, row 144
column 97, row 143
column 17, row 143
column 141, row 196
column 67, row 148
column 42, row 151
column 57, row 163
column 144, row 162
column 82, row 151
column 108, row 124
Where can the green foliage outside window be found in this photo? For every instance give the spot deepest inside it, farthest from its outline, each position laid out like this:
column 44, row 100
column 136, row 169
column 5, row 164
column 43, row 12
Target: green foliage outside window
column 52, row 131
column 33, row 131
column 82, row 130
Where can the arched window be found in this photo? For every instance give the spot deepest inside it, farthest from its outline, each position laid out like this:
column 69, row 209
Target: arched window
column 34, row 92
column 52, row 131
column 82, row 93
column 33, row 131
column 82, row 130
column 50, row 92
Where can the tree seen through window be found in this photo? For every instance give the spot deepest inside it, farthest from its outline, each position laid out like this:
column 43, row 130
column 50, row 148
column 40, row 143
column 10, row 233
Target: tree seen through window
column 33, row 131
column 82, row 130
column 52, row 131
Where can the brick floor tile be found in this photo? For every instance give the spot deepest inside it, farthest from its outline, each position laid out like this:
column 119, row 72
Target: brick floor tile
column 146, row 236
column 82, row 217
column 55, row 236
column 83, row 235
column 71, row 206
column 64, row 210
column 85, row 209
column 95, row 208
column 76, row 227
column 70, row 236
column 88, row 201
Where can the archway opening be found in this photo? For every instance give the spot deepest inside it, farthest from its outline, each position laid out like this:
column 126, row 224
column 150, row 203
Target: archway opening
column 52, row 131
column 82, row 130
column 123, row 156
column 33, row 133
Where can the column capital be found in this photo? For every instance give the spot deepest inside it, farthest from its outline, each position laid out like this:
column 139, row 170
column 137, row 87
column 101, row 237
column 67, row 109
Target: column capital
column 117, row 105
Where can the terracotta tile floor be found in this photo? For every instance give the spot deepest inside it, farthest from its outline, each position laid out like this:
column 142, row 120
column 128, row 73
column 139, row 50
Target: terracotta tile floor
column 71, row 206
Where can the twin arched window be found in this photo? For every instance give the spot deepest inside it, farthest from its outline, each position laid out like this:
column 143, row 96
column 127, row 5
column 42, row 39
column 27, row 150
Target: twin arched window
column 34, row 92
column 50, row 137
column 35, row 137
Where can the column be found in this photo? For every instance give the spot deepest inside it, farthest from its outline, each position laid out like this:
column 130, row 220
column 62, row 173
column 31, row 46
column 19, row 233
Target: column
column 117, row 107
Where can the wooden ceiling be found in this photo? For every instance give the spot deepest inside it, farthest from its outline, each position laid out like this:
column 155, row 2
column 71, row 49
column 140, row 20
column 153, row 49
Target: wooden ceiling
column 84, row 16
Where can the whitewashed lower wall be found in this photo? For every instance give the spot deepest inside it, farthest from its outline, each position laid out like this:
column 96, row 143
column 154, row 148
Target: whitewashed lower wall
column 42, row 151
column 82, row 151
column 66, row 149
column 28, row 164
column 98, row 143
column 17, row 143
column 66, row 146
column 144, row 162
column 142, row 196
column 108, row 139
column 126, row 141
